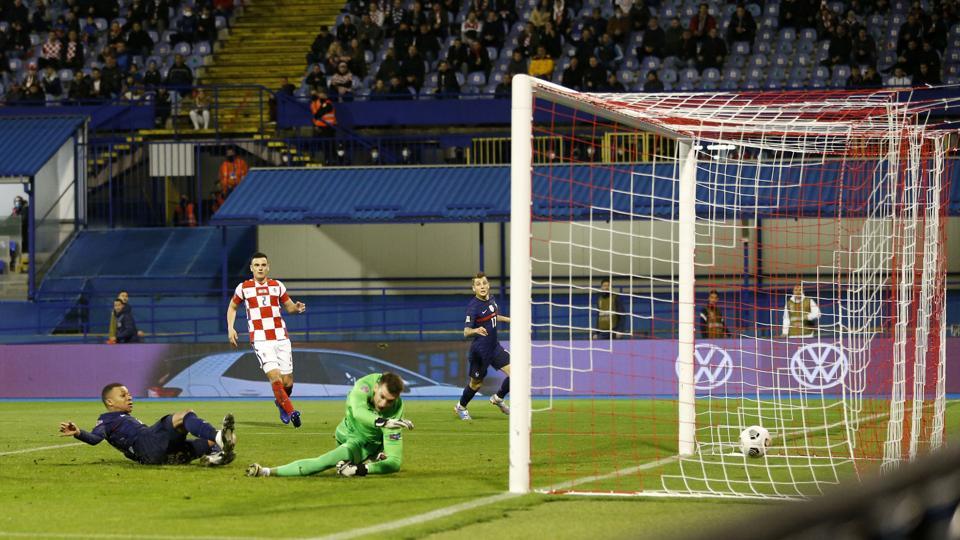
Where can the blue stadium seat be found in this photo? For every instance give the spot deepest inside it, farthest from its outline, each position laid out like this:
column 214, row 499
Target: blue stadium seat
column 765, row 47
column 15, row 64
column 626, row 76
column 729, row 85
column 182, row 48
column 194, row 61
column 757, row 60
column 668, row 76
column 785, row 47
column 731, row 74
column 736, row 60
column 220, row 22
column 798, row 72
column 101, row 24
column 780, row 60
column 711, row 74
column 66, row 75
column 806, row 46
column 161, row 49
column 477, row 78
column 751, row 84
column 651, row 62
column 203, row 48
column 689, row 75
column 795, row 84
column 493, row 53
column 4, row 26
column 773, row 9
column 788, row 34
column 741, row 47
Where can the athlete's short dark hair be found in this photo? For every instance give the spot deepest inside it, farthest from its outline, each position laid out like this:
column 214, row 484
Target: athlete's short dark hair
column 394, row 383
column 107, row 389
column 478, row 275
column 258, row 255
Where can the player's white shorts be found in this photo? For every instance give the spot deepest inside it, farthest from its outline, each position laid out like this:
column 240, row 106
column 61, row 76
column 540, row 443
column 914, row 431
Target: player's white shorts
column 273, row 355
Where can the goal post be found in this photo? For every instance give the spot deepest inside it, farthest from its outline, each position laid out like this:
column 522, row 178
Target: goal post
column 775, row 259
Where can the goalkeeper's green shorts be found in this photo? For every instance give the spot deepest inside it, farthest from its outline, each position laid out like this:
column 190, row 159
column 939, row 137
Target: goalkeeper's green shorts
column 360, row 448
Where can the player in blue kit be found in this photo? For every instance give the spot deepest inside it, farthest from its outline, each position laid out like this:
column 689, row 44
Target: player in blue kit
column 483, row 315
column 165, row 442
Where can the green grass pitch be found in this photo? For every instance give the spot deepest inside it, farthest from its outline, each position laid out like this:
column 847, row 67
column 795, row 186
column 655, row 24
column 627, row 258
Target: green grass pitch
column 77, row 491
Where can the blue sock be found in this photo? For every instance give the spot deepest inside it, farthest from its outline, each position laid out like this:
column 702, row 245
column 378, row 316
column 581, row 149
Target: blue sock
column 468, row 394
column 198, row 447
column 504, row 388
column 198, row 428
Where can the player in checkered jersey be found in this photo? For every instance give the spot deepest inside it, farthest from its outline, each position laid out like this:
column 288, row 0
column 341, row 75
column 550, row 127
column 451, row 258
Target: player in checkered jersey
column 263, row 298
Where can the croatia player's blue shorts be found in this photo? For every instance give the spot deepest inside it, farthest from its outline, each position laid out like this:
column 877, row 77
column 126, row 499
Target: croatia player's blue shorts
column 479, row 364
column 161, row 444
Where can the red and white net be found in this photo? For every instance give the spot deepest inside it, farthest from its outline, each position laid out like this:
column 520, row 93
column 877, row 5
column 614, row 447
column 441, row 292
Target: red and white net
column 838, row 195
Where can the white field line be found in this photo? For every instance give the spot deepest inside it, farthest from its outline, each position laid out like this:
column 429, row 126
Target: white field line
column 38, row 449
column 10, row 534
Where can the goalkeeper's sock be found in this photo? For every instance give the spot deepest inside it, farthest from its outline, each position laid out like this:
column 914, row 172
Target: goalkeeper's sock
column 199, row 447
column 504, row 388
column 281, row 396
column 306, row 467
column 288, row 390
column 198, row 428
column 467, row 395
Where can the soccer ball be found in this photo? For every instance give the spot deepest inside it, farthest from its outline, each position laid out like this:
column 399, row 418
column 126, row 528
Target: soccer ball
column 754, row 441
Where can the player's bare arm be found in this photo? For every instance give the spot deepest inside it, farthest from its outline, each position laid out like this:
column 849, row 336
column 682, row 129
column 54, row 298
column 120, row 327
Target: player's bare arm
column 294, row 307
column 503, row 318
column 231, row 317
column 68, row 429
column 470, row 332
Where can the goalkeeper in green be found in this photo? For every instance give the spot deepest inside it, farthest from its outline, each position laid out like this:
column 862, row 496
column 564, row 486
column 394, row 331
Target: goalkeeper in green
column 369, row 437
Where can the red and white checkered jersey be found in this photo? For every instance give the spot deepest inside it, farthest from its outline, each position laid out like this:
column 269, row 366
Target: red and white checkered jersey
column 263, row 302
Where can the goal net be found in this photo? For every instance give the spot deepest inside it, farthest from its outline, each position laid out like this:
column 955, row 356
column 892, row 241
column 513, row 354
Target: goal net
column 685, row 266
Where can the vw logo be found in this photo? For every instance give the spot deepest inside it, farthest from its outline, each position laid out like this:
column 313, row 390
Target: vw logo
column 713, row 366
column 819, row 365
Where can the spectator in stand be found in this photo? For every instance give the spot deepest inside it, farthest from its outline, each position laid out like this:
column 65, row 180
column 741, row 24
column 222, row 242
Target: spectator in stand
column 223, row 8
column 369, row 33
column 688, row 48
column 232, row 171
column 478, row 60
column 14, row 94
column 358, row 60
column 653, row 83
column 324, row 115
column 572, row 76
column 871, row 79
column 840, row 48
column 929, row 56
column 458, row 55
column 528, row 39
column 133, row 90
column 96, row 86
column 493, row 33
column 395, row 16
column 16, row 12
column 316, row 78
column 619, row 26
column 73, row 52
column 134, row 72
column 614, row 84
column 447, row 85
column 31, row 77
column 346, row 31
column 654, row 40
column 402, row 40
column 559, row 16
column 126, row 326
column 398, row 90
column 742, row 26
column 541, row 65
column 179, row 77
column 596, row 22
column 505, row 88
column 899, row 78
column 518, row 64
column 122, row 57
column 427, row 43
column 163, row 107
column 926, row 76
column 909, row 59
column 595, row 76
column 471, row 27
column 853, row 22
column 540, row 14
column 200, row 110
column 206, row 26
column 341, row 83
column 152, row 77
column 389, row 66
column 439, row 20
column 937, row 31
column 702, row 22
column 416, row 16
column 712, row 51
column 855, row 80
column 34, row 95
column 673, row 38
column 586, row 46
column 50, row 52
column 139, row 41
column 18, row 43
column 864, row 49
column 712, row 322
column 187, row 28
column 911, row 30
column 794, row 14
column 50, row 82
column 413, row 69
column 379, row 90
column 320, row 45
column 609, row 53
column 79, row 87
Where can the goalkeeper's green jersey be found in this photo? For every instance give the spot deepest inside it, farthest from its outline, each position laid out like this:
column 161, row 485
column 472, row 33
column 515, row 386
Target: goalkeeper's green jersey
column 361, row 414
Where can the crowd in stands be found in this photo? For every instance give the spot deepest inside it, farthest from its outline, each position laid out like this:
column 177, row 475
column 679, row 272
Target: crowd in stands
column 88, row 50
column 401, row 49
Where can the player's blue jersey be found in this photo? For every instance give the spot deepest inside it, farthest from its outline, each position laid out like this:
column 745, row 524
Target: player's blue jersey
column 119, row 429
column 483, row 313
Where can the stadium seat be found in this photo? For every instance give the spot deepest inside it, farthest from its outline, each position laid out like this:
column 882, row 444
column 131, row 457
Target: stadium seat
column 757, row 60
column 101, row 24
column 806, row 46
column 788, row 34
column 731, row 74
column 741, row 47
column 729, row 85
column 711, row 74
column 631, row 62
column 668, row 76
column 182, row 48
column 4, row 26
column 765, row 47
column 194, row 61
column 161, row 49
column 773, row 10
column 651, row 62
column 821, row 72
column 493, row 53
column 625, row 76
column 476, row 79
column 15, row 64
column 689, row 75
column 204, row 48
column 220, row 22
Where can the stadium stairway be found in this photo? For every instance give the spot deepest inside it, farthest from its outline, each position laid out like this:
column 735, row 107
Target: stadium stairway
column 267, row 42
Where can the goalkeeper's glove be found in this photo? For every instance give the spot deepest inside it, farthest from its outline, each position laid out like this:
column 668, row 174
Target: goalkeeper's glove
column 390, row 423
column 346, row 469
